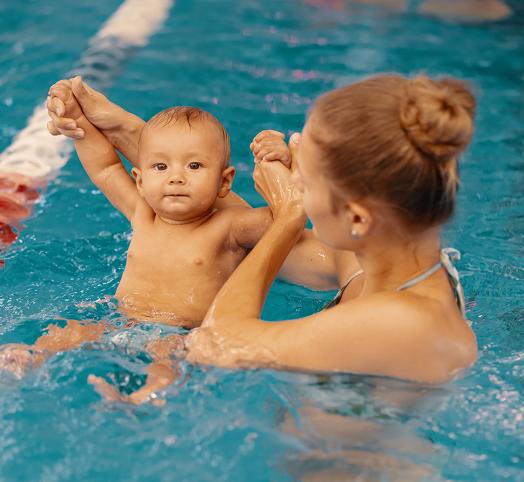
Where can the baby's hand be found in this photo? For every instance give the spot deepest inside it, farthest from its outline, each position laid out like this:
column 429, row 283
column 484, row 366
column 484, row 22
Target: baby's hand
column 270, row 146
column 62, row 104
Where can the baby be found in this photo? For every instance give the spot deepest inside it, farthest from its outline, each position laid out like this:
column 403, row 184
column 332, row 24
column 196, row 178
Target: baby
column 183, row 249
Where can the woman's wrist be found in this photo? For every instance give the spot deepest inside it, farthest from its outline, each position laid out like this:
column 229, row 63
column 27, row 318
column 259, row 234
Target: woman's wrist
column 292, row 219
column 293, row 212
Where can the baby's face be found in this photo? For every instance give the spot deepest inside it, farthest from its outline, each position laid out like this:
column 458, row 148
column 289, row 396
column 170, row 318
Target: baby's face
column 182, row 170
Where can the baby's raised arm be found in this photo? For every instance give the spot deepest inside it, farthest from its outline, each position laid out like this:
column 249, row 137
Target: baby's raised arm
column 100, row 160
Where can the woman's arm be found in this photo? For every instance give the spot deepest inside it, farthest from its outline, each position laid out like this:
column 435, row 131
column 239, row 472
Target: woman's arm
column 387, row 333
column 288, row 225
column 121, row 128
column 384, row 334
column 233, row 323
column 311, row 263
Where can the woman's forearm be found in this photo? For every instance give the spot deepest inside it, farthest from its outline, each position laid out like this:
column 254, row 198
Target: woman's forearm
column 126, row 134
column 244, row 293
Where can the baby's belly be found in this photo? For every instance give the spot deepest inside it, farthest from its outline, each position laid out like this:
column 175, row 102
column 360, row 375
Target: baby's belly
column 180, row 307
column 177, row 288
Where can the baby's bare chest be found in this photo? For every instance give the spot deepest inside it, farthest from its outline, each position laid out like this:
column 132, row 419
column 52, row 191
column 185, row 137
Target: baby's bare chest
column 180, row 254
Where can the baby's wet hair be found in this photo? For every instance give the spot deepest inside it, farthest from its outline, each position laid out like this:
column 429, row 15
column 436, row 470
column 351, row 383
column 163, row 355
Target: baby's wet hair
column 192, row 116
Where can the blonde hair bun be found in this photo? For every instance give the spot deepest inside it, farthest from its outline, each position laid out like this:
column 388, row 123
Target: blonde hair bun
column 438, row 117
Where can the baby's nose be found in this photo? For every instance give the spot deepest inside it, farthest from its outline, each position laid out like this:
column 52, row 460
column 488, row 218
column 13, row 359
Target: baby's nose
column 177, row 179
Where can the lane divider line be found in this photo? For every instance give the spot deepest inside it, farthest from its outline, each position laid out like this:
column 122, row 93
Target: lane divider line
column 35, row 155
column 34, row 152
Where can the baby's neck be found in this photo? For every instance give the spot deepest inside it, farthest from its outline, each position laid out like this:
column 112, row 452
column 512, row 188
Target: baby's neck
column 186, row 222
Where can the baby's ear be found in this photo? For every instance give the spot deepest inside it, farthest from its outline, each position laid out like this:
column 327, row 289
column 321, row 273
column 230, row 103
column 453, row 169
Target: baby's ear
column 227, row 181
column 137, row 174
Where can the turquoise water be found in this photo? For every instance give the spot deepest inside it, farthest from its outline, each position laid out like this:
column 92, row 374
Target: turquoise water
column 259, row 65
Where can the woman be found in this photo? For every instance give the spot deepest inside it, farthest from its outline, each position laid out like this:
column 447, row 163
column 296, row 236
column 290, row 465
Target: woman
column 377, row 168
column 377, row 175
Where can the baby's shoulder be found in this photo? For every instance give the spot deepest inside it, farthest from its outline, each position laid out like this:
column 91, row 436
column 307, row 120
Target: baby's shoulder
column 228, row 214
column 219, row 221
column 241, row 217
column 221, row 226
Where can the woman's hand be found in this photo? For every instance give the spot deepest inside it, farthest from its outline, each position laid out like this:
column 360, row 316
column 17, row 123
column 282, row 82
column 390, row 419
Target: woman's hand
column 273, row 181
column 98, row 109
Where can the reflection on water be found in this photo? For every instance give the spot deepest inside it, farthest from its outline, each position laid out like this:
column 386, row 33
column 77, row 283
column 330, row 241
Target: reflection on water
column 466, row 11
column 358, row 427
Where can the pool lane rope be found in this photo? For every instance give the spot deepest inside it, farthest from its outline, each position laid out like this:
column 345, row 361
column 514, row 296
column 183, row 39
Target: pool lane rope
column 34, row 154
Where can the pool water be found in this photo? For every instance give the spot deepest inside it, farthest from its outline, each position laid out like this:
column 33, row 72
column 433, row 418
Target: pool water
column 259, row 65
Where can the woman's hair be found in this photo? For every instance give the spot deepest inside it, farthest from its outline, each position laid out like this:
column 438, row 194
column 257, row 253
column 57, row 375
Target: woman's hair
column 397, row 140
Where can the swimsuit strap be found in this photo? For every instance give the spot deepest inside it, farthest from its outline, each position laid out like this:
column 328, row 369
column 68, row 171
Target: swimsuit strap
column 420, row 277
column 446, row 257
column 336, row 300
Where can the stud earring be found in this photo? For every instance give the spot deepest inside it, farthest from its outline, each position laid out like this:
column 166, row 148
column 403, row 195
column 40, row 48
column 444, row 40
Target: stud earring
column 355, row 235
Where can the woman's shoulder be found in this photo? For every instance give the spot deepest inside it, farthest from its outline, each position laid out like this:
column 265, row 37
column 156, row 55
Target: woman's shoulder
column 414, row 312
column 417, row 336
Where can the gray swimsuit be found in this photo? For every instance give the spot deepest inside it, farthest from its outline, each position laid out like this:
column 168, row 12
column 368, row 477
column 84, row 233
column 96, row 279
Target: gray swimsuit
column 446, row 257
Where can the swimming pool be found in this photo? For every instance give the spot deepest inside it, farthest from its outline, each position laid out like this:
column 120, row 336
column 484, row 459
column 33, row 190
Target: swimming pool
column 259, row 65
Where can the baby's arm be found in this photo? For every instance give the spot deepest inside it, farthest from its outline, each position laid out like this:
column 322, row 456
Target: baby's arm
column 101, row 162
column 105, row 169
column 231, row 200
column 248, row 225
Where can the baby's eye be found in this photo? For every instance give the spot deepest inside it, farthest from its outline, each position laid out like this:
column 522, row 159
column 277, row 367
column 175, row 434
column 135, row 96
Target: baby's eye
column 195, row 165
column 160, row 166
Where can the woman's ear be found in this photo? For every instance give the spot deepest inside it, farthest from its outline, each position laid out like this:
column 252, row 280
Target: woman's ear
column 227, row 181
column 137, row 174
column 360, row 219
